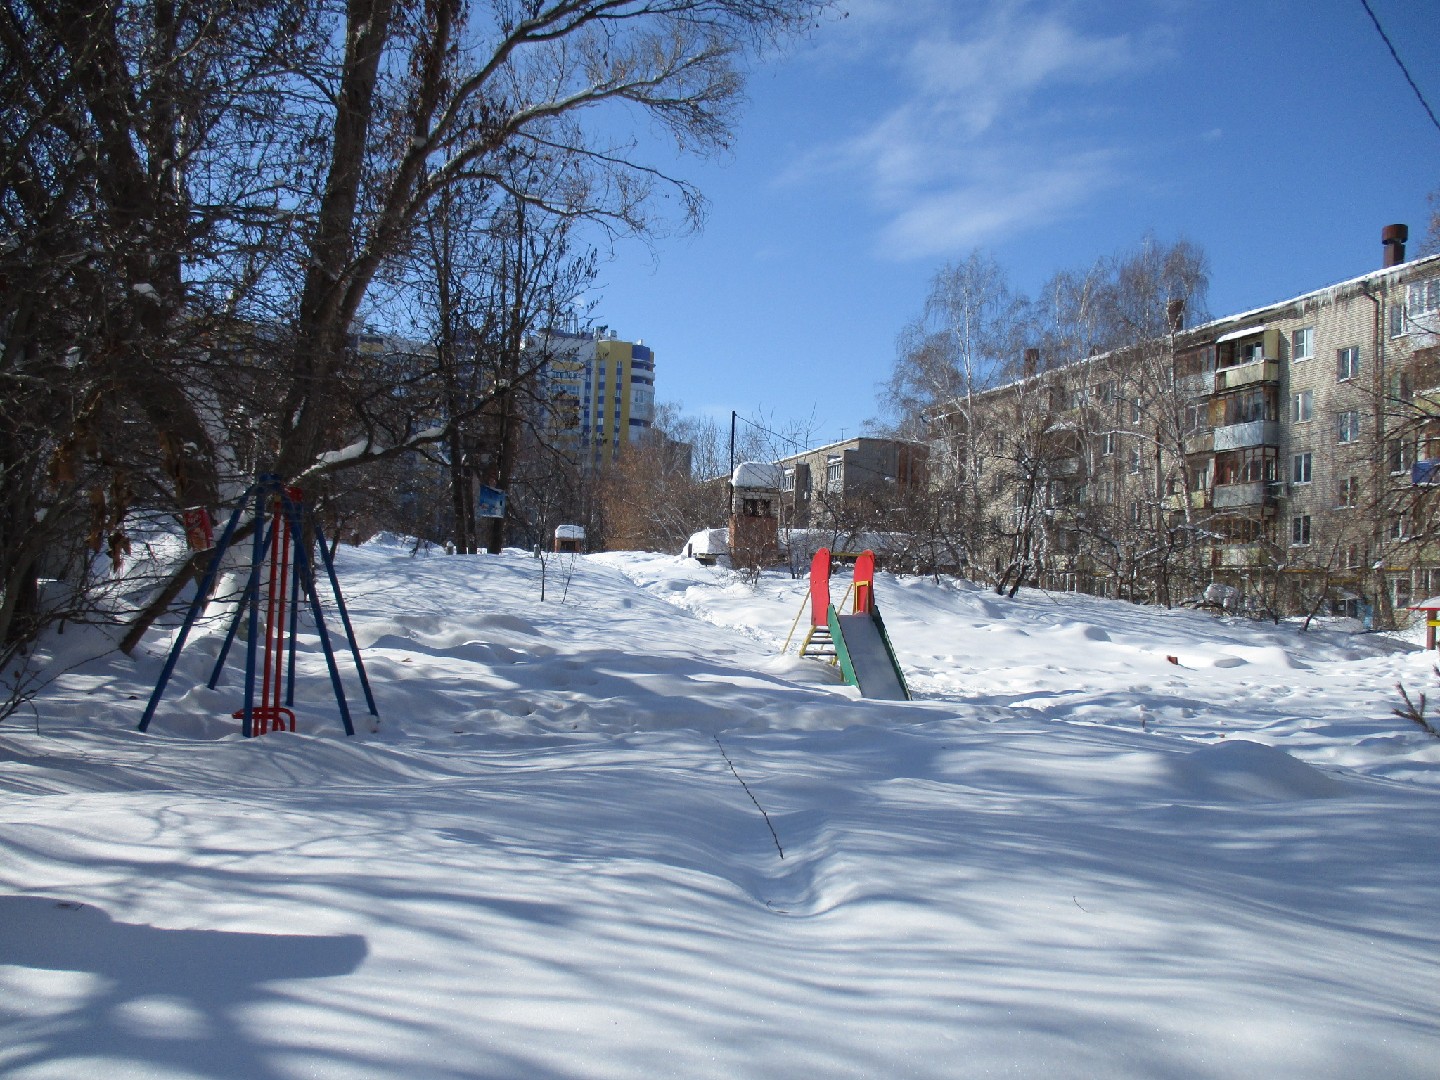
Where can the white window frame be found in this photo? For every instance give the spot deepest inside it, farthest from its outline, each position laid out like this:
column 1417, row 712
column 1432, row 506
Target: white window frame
column 1302, row 406
column 1347, row 363
column 1302, row 467
column 1423, row 298
column 1397, row 455
column 1348, row 423
column 1302, row 343
column 1300, row 530
column 1396, row 321
column 1347, row 493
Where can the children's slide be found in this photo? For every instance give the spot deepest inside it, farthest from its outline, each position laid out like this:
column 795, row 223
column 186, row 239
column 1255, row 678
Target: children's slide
column 863, row 647
column 866, row 656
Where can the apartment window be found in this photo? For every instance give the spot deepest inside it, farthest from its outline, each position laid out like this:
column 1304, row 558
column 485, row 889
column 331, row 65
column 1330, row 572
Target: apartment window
column 1396, row 320
column 1349, row 425
column 1348, row 492
column 787, row 480
column 1300, row 530
column 1302, row 406
column 1197, row 416
column 1300, row 468
column 1108, row 442
column 1347, row 363
column 1135, row 459
column 1105, row 492
column 1135, row 411
column 1400, row 526
column 1352, row 556
column 1302, row 343
column 1396, row 456
column 1424, row 298
column 834, row 472
column 1403, row 593
column 1134, row 513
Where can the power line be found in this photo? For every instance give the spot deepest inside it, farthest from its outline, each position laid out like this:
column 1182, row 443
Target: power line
column 1401, row 64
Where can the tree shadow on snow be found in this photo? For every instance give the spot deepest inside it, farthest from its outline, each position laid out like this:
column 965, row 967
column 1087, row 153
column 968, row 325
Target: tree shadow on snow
column 164, row 998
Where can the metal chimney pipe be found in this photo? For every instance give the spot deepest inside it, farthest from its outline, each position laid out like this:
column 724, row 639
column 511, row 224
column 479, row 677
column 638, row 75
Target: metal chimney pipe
column 1394, row 237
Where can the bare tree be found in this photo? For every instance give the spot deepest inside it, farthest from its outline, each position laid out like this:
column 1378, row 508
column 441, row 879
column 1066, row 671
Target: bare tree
column 964, row 344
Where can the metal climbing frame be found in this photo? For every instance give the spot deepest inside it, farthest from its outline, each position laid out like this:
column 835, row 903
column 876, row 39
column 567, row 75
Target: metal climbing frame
column 277, row 549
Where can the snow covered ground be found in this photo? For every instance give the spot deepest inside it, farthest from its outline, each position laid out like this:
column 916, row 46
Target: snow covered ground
column 1069, row 857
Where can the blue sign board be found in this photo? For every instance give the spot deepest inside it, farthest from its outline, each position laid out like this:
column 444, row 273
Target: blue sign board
column 491, row 503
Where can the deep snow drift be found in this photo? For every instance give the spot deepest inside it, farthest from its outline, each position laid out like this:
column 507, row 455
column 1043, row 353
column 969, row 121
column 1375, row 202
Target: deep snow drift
column 1069, row 858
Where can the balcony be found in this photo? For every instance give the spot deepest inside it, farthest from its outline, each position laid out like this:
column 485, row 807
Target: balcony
column 1200, row 442
column 1197, row 382
column 1242, row 555
column 1256, row 371
column 1425, row 473
column 1198, row 500
column 1254, row 433
column 1260, row 493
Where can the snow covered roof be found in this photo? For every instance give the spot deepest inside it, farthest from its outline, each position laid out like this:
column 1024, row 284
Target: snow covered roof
column 1245, row 332
column 757, row 474
column 570, row 532
column 709, row 542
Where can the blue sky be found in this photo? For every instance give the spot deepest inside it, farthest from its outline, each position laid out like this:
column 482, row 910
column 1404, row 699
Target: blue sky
column 1280, row 137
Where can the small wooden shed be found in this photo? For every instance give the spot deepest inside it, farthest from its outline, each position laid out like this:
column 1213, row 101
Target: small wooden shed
column 755, row 514
column 570, row 538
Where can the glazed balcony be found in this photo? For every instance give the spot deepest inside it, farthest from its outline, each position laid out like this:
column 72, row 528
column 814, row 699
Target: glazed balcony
column 1253, row 433
column 1256, row 371
column 1198, row 500
column 1242, row 555
column 1259, row 493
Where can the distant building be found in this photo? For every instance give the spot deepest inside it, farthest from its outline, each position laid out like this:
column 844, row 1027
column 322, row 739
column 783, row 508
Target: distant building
column 824, row 486
column 606, row 391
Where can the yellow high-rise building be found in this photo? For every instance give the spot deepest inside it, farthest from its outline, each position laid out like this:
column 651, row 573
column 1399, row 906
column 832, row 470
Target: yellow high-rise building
column 607, row 387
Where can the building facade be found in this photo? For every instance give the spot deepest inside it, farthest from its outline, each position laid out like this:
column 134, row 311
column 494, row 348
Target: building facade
column 605, row 390
column 849, row 483
column 1279, row 459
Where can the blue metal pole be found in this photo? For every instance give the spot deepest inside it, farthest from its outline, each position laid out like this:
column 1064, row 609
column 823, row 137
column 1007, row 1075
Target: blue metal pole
column 244, row 608
column 267, row 483
column 307, row 578
column 201, row 595
column 345, row 619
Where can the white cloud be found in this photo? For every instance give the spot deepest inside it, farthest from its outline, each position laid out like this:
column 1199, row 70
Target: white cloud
column 995, row 202
column 985, row 121
column 983, row 77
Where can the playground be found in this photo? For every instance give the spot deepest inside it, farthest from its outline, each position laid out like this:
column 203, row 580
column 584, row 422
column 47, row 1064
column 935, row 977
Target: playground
column 553, row 858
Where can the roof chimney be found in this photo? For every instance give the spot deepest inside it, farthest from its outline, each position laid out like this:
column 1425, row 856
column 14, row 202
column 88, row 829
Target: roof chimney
column 1394, row 237
column 1032, row 362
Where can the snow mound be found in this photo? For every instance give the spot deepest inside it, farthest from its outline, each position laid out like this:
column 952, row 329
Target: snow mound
column 1239, row 770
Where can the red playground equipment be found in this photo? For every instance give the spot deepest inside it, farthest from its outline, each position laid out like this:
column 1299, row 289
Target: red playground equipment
column 270, row 715
column 858, row 641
